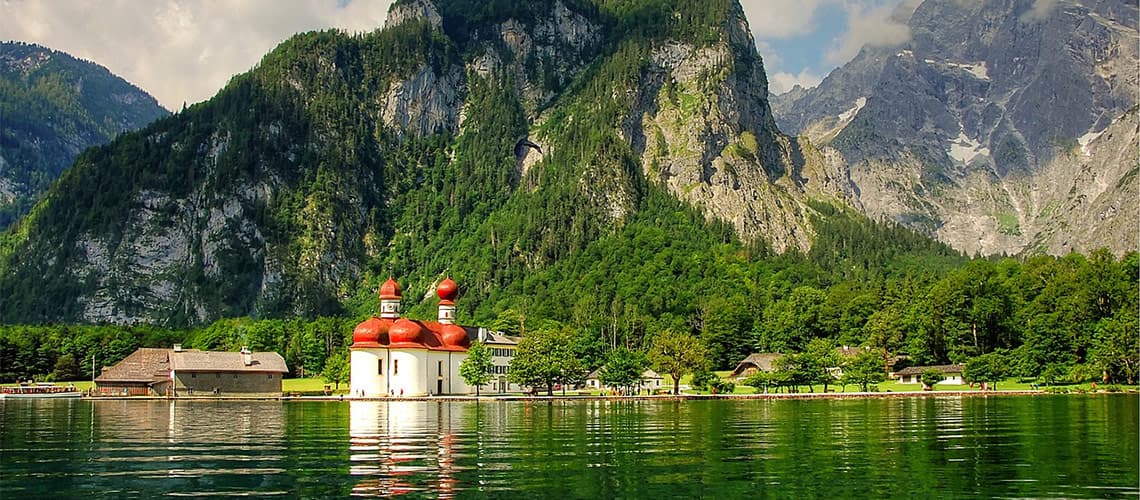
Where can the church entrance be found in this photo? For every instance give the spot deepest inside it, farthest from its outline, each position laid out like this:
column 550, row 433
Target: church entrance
column 439, row 386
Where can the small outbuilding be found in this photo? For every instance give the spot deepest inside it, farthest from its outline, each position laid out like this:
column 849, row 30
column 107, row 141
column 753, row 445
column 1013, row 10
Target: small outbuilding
column 650, row 380
column 145, row 372
column 913, row 375
column 755, row 362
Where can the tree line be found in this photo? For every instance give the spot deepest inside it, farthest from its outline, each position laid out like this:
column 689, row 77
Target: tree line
column 1056, row 319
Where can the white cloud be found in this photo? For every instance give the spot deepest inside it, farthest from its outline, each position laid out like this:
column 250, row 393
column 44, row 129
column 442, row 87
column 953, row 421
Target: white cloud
column 867, row 26
column 771, row 58
column 866, row 22
column 185, row 50
column 781, row 82
column 179, row 50
column 781, row 18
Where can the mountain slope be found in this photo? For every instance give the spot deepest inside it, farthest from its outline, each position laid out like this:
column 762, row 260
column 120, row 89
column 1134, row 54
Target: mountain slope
column 484, row 141
column 971, row 129
column 52, row 107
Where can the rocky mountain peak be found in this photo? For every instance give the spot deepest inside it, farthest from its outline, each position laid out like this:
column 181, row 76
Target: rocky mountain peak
column 984, row 99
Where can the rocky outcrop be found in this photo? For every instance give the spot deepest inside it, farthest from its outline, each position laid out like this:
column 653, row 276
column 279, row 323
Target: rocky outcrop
column 402, row 12
column 424, row 104
column 540, row 58
column 704, row 129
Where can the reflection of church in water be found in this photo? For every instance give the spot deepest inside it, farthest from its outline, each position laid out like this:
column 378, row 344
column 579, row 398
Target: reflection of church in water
column 400, row 447
column 393, row 356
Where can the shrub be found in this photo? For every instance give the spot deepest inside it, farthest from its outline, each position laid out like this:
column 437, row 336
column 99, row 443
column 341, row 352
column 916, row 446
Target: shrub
column 931, row 376
column 721, row 386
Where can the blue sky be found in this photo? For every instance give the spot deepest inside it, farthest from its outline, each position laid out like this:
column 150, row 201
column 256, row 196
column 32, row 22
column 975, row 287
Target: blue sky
column 185, row 50
column 803, row 40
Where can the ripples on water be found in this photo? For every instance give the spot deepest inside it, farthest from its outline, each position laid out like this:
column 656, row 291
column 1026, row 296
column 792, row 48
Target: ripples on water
column 910, row 447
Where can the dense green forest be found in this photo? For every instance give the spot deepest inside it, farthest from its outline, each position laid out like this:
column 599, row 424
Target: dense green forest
column 1072, row 318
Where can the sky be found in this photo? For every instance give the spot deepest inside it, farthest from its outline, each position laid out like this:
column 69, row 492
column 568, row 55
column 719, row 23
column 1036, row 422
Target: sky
column 184, row 51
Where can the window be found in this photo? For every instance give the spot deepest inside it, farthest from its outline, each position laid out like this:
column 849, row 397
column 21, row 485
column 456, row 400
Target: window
column 270, row 376
column 395, row 367
column 440, row 366
column 217, row 375
column 193, row 375
column 380, row 367
column 235, row 375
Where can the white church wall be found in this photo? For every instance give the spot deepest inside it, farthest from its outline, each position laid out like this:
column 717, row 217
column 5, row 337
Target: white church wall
column 364, row 379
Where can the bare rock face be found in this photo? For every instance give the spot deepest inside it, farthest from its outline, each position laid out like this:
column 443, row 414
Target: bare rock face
column 542, row 57
column 965, row 130
column 704, row 129
column 418, row 9
column 1087, row 199
column 425, row 103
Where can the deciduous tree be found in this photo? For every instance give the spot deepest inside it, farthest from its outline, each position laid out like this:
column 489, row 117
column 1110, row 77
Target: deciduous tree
column 931, row 376
column 990, row 367
column 336, row 369
column 677, row 354
column 623, row 368
column 476, row 367
column 864, row 370
column 545, row 357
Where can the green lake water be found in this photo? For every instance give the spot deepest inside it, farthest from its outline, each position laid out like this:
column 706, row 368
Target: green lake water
column 945, row 447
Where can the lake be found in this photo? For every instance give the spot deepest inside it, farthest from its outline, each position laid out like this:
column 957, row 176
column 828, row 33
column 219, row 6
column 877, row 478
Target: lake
column 945, row 447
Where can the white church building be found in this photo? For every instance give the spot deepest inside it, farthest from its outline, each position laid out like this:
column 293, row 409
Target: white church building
column 393, row 356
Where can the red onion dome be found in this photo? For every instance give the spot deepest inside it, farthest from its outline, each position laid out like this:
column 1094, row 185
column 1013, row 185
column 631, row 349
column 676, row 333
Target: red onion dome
column 390, row 289
column 369, row 331
column 404, row 330
column 447, row 291
column 455, row 335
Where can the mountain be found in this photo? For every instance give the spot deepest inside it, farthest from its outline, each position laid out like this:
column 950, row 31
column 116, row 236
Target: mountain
column 52, row 107
column 495, row 142
column 1002, row 126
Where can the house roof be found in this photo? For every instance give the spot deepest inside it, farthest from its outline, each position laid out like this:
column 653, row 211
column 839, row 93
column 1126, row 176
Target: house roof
column 216, row 361
column 850, row 351
column 761, row 360
column 917, row 370
column 145, row 365
column 645, row 375
column 499, row 339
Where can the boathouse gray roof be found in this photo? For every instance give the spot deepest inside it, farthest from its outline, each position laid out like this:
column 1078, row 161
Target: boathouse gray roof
column 217, row 361
column 145, row 365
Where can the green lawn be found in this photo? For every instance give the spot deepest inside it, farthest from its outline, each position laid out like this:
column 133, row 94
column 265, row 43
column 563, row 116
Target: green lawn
column 310, row 386
column 82, row 385
column 1011, row 384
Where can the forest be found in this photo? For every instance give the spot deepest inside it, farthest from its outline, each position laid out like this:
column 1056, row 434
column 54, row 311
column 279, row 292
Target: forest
column 1062, row 319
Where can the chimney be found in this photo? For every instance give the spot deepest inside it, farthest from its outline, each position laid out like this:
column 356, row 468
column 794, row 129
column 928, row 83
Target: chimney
column 246, row 356
column 177, row 347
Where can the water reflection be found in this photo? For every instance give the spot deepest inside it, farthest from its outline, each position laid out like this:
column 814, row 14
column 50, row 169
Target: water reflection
column 399, row 447
column 909, row 448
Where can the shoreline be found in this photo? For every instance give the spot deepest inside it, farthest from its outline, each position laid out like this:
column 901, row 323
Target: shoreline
column 668, row 397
